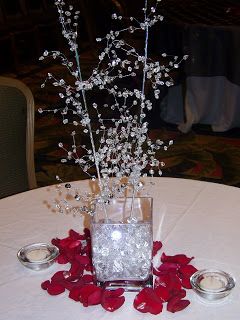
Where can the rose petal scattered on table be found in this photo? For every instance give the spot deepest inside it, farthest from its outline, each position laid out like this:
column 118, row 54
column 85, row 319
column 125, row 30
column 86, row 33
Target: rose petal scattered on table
column 85, row 260
column 74, row 244
column 90, row 295
column 87, row 233
column 112, row 299
column 55, row 289
column 69, row 285
column 170, row 280
column 112, row 304
column 62, row 259
column 175, row 304
column 87, row 278
column 181, row 259
column 168, row 266
column 187, row 271
column 173, row 274
column 114, row 293
column 157, row 245
column 76, row 270
column 74, row 293
column 147, row 301
column 75, row 235
column 162, row 293
column 45, row 284
column 58, row 276
column 186, row 283
column 64, row 243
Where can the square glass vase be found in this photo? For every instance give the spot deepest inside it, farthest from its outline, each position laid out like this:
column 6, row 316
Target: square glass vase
column 122, row 244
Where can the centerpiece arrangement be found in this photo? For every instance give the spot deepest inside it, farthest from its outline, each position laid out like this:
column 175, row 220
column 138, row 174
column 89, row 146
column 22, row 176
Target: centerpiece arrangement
column 119, row 152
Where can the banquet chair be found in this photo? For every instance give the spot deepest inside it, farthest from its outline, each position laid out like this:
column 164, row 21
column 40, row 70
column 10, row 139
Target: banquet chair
column 17, row 171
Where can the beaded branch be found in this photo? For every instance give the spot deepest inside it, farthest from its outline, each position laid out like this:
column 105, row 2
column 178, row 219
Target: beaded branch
column 120, row 151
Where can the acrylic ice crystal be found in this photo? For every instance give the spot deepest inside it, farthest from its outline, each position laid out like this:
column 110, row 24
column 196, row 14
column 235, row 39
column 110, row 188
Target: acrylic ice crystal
column 122, row 251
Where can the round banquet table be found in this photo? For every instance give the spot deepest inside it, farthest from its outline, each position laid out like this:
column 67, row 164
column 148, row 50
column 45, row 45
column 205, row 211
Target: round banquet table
column 197, row 218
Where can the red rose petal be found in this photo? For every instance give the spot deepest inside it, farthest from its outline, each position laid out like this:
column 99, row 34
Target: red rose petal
column 74, row 244
column 90, row 295
column 174, row 283
column 157, row 245
column 162, row 280
column 65, row 242
column 113, row 293
column 55, row 289
column 187, row 271
column 180, row 294
column 181, row 259
column 156, row 272
column 93, row 299
column 147, row 301
column 87, row 278
column 45, row 284
column 58, row 276
column 69, row 285
column 186, row 283
column 89, row 268
column 75, row 235
column 175, row 304
column 62, row 259
column 162, row 293
column 86, row 232
column 112, row 303
column 112, row 300
column 76, row 270
column 70, row 254
column 168, row 266
column 170, row 281
column 62, row 278
column 74, row 293
column 85, row 260
column 56, row 242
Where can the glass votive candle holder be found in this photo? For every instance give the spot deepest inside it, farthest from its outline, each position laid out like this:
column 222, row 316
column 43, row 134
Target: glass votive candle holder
column 212, row 285
column 38, row 256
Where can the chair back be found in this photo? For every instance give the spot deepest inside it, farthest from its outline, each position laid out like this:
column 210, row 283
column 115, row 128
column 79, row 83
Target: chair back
column 17, row 171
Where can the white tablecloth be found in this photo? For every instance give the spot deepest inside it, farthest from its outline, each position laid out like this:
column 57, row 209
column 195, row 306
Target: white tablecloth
column 196, row 218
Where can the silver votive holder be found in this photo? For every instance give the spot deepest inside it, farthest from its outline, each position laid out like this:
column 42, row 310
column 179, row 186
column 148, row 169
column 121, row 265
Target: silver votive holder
column 38, row 256
column 212, row 285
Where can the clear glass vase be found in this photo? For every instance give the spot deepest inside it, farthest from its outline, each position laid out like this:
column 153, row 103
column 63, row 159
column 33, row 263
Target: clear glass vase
column 122, row 244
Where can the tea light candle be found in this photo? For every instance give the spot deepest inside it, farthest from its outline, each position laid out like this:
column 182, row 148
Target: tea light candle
column 37, row 254
column 211, row 283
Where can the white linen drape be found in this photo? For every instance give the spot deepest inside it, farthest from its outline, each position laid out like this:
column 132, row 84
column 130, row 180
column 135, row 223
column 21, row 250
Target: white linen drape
column 208, row 100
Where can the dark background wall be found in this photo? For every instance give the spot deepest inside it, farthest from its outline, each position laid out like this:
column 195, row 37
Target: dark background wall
column 29, row 26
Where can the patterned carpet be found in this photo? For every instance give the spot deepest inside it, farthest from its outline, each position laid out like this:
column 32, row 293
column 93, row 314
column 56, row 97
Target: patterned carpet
column 199, row 154
column 194, row 156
